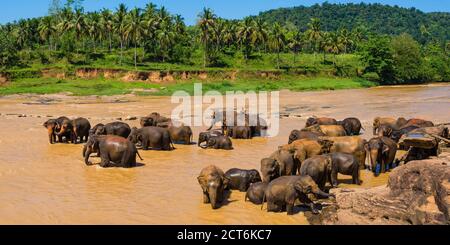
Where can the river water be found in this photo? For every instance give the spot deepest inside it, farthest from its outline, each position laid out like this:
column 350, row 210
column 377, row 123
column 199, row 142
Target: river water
column 50, row 184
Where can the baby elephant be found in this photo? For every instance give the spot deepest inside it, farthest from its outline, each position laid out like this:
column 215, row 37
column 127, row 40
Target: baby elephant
column 218, row 142
column 255, row 192
column 345, row 164
column 240, row 179
column 282, row 193
column 213, row 182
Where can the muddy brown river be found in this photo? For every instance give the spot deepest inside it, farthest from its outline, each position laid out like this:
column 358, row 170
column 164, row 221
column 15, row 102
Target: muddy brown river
column 50, row 184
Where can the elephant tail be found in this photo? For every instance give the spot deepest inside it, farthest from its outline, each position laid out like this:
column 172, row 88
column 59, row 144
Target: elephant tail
column 139, row 155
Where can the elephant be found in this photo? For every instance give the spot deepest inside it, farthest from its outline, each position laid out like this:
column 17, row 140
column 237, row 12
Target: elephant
column 279, row 163
column 219, row 142
column 213, row 182
column 51, row 126
column 419, row 122
column 320, row 121
column 349, row 144
column 181, row 134
column 66, row 129
column 282, row 193
column 351, row 125
column 385, row 130
column 306, row 148
column 317, row 167
column 392, row 122
column 81, row 128
column 255, row 193
column 155, row 119
column 152, row 137
column 381, row 154
column 328, row 130
column 299, row 134
column 115, row 128
column 240, row 132
column 115, row 151
column 345, row 164
column 242, row 118
column 240, row 179
column 204, row 136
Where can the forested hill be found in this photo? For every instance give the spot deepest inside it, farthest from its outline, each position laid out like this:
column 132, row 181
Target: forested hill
column 377, row 18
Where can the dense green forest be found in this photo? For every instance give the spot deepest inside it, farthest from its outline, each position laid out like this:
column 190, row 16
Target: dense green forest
column 376, row 18
column 389, row 45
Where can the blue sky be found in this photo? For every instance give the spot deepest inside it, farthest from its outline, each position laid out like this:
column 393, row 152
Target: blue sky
column 11, row 10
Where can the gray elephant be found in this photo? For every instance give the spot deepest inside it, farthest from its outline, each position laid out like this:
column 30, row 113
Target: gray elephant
column 182, row 134
column 240, row 179
column 255, row 193
column 213, row 182
column 351, row 125
column 299, row 134
column 320, row 121
column 204, row 136
column 114, row 128
column 345, row 164
column 51, row 126
column 317, row 168
column 115, row 151
column 156, row 120
column 279, row 163
column 240, row 132
column 282, row 193
column 381, row 153
column 156, row 138
column 218, row 142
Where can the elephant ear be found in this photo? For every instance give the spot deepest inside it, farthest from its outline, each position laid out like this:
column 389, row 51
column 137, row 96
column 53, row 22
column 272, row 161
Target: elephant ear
column 301, row 187
column 202, row 181
column 211, row 141
column 385, row 149
column 225, row 181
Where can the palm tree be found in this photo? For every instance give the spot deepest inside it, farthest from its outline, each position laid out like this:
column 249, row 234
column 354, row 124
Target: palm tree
column 151, row 24
column 94, row 27
column 165, row 38
column 206, row 24
column 79, row 25
column 296, row 43
column 277, row 40
column 346, row 39
column 134, row 29
column 119, row 26
column 22, row 33
column 314, row 33
column 107, row 25
column 261, row 32
column 247, row 36
column 334, row 45
column 46, row 30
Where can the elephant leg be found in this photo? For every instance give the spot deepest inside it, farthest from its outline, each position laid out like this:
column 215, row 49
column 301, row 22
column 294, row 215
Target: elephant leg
column 243, row 186
column 105, row 159
column 145, row 144
column 273, row 207
column 333, row 178
column 355, row 177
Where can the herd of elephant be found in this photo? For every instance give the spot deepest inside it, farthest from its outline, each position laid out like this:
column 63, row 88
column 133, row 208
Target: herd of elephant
column 313, row 156
column 298, row 170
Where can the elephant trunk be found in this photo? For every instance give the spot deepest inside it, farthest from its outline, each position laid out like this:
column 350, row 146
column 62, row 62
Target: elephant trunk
column 375, row 130
column 86, row 156
column 84, row 150
column 322, row 194
column 213, row 197
column 50, row 135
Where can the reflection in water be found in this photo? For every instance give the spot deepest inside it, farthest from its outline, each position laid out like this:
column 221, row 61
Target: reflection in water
column 49, row 184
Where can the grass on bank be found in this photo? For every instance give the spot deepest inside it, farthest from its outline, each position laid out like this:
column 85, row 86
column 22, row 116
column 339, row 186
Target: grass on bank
column 100, row 86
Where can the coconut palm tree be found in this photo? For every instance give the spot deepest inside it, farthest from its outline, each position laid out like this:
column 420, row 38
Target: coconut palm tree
column 120, row 19
column 151, row 24
column 261, row 28
column 334, row 44
column 107, row 25
column 94, row 27
column 247, row 36
column 296, row 43
column 134, row 29
column 206, row 24
column 165, row 38
column 277, row 40
column 346, row 39
column 79, row 25
column 22, row 33
column 46, row 30
column 314, row 34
